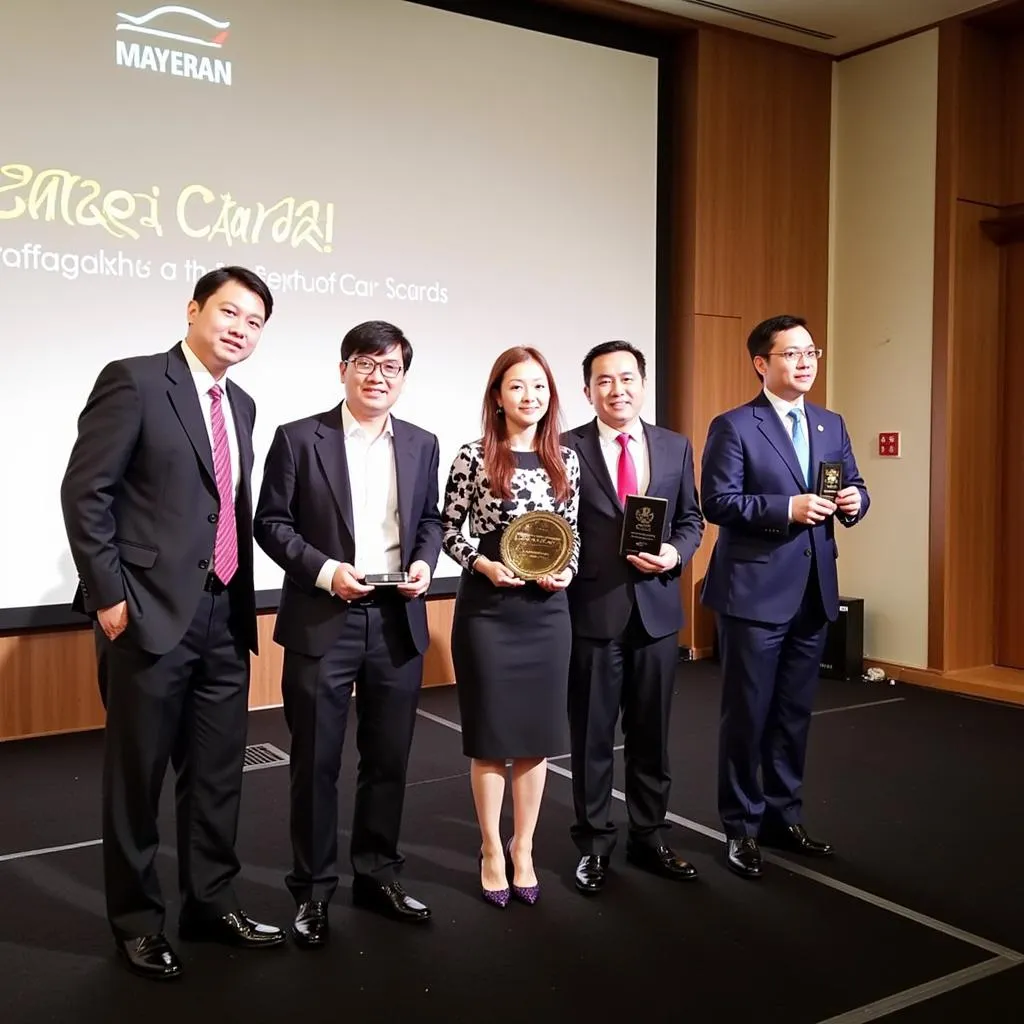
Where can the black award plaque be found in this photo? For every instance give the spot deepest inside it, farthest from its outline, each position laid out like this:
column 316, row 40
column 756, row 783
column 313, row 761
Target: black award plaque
column 830, row 480
column 643, row 524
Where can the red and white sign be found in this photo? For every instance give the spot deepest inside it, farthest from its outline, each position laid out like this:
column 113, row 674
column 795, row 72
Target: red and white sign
column 889, row 444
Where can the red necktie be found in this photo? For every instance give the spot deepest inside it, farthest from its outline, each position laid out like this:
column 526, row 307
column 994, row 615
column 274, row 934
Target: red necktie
column 225, row 548
column 627, row 470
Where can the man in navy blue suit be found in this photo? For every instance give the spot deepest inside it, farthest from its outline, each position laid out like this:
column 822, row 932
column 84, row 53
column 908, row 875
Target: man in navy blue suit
column 772, row 582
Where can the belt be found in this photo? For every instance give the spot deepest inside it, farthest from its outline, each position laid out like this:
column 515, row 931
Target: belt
column 385, row 595
column 213, row 584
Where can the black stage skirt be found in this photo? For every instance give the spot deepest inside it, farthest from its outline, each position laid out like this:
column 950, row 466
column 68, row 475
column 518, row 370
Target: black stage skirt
column 510, row 648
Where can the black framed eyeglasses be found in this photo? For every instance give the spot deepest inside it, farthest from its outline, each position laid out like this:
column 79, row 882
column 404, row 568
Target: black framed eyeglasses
column 364, row 366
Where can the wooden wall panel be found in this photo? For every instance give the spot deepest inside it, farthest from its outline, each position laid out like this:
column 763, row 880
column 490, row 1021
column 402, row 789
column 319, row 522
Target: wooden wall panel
column 265, row 681
column 968, row 350
column 980, row 117
column 763, row 151
column 48, row 684
column 973, row 443
column 437, row 666
column 723, row 368
column 1010, row 538
column 1010, row 583
column 946, row 187
column 48, row 680
column 1013, row 107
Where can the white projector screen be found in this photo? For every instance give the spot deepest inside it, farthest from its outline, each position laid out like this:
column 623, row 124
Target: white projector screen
column 478, row 184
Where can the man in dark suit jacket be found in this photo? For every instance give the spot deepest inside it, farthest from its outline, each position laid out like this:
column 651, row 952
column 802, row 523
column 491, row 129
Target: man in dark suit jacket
column 772, row 581
column 349, row 497
column 626, row 613
column 158, row 511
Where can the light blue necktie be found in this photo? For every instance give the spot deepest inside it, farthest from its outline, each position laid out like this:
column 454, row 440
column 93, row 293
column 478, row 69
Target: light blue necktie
column 803, row 452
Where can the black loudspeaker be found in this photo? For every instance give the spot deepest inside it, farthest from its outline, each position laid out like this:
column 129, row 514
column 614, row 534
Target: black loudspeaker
column 843, row 657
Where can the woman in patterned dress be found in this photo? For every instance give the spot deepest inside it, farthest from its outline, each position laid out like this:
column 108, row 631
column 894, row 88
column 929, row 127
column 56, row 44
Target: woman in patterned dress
column 511, row 638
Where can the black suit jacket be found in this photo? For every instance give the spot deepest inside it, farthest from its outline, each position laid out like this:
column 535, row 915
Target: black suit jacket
column 140, row 499
column 602, row 594
column 304, row 517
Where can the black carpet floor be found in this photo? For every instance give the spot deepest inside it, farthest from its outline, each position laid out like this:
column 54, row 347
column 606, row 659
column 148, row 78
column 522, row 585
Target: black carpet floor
column 918, row 790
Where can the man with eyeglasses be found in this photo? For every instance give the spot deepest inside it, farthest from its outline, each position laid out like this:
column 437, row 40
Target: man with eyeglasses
column 772, row 582
column 349, row 509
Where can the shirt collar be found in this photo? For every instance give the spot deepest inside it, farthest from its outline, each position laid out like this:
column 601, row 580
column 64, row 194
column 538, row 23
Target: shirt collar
column 610, row 434
column 202, row 376
column 351, row 426
column 782, row 407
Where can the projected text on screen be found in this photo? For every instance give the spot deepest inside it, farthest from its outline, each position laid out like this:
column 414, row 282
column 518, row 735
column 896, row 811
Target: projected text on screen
column 199, row 212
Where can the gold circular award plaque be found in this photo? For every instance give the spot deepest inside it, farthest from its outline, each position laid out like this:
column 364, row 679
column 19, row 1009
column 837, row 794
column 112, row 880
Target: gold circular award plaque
column 537, row 544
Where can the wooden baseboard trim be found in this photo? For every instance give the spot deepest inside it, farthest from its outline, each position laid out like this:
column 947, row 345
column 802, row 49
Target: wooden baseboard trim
column 989, row 681
column 45, row 734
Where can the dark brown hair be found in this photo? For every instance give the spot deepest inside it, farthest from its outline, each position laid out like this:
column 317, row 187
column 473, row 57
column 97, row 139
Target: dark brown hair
column 499, row 462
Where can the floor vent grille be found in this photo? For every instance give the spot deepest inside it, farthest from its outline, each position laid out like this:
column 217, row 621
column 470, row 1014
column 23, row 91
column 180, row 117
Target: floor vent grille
column 263, row 755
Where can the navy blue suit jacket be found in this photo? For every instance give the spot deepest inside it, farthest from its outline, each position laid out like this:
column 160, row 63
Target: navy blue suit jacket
column 761, row 563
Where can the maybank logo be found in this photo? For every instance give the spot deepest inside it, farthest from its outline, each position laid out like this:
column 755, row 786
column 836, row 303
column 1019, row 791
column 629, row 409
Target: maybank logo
column 182, row 25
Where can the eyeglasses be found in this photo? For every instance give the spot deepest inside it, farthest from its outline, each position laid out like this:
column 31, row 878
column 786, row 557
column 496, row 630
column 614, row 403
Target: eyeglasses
column 792, row 355
column 364, row 366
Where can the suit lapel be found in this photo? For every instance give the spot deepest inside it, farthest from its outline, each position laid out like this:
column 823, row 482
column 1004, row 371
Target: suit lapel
column 590, row 452
column 185, row 401
column 815, row 438
column 243, row 431
column 330, row 453
column 775, row 433
column 657, row 457
column 406, row 468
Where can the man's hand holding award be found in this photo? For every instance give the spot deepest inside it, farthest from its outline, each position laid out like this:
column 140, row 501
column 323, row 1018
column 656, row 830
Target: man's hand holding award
column 643, row 524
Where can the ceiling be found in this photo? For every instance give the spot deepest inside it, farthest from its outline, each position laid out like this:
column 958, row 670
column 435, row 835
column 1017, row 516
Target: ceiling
column 831, row 26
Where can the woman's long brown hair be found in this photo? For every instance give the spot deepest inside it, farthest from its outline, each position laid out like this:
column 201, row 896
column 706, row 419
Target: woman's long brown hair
column 499, row 462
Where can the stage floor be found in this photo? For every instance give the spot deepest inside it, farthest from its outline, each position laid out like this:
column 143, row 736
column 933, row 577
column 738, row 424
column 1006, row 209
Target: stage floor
column 916, row 919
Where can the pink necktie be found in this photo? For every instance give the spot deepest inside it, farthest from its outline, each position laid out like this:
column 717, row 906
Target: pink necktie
column 225, row 548
column 627, row 470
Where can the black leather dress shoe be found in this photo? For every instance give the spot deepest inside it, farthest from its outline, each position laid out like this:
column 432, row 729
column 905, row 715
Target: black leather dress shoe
column 591, row 873
column 389, row 899
column 795, row 839
column 311, row 930
column 233, row 929
column 660, row 860
column 149, row 956
column 745, row 857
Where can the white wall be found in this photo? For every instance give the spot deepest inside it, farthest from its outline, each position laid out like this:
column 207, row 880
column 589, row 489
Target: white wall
column 879, row 360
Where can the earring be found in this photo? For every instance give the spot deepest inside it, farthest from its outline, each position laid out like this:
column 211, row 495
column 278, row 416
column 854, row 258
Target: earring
column 501, row 411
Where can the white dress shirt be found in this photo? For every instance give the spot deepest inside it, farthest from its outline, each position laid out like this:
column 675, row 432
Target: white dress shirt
column 373, row 484
column 783, row 408
column 611, row 450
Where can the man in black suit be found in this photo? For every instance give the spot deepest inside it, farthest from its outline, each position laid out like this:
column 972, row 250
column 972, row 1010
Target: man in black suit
column 349, row 498
column 158, row 511
column 626, row 612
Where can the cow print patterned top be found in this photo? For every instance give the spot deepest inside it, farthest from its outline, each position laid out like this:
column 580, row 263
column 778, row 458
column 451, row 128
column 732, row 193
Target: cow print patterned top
column 468, row 495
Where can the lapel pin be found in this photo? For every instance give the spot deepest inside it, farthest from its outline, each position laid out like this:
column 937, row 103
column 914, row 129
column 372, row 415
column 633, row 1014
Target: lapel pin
column 820, row 427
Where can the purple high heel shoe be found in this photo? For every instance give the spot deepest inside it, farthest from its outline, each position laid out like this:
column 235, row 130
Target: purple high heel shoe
column 496, row 897
column 528, row 894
